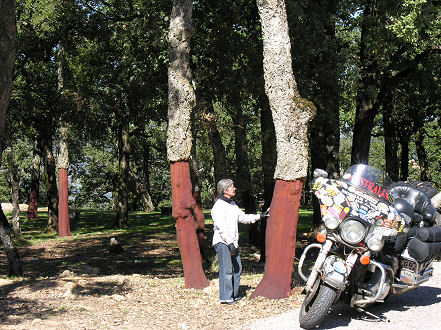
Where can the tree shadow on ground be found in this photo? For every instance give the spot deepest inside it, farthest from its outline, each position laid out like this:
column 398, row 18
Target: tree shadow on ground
column 148, row 248
column 141, row 254
column 14, row 310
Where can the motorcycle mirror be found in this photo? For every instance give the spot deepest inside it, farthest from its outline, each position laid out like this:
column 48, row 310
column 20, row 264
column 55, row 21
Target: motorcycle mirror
column 319, row 172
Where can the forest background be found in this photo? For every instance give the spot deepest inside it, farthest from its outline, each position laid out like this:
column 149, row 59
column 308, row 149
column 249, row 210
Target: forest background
column 97, row 70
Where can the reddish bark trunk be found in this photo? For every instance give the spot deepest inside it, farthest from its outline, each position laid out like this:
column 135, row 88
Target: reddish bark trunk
column 63, row 204
column 182, row 205
column 200, row 218
column 32, row 212
column 280, row 241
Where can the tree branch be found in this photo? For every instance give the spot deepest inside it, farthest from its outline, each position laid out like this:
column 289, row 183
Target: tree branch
column 390, row 82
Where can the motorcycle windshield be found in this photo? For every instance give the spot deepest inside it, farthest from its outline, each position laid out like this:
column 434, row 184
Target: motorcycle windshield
column 370, row 178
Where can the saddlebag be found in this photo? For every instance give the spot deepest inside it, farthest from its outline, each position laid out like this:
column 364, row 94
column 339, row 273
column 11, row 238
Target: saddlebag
column 429, row 234
column 423, row 251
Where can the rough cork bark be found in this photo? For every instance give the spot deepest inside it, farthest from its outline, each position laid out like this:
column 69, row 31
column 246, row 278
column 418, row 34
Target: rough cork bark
column 181, row 95
column 8, row 38
column 291, row 115
column 179, row 142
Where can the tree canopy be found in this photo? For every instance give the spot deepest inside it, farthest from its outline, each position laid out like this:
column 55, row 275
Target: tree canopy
column 362, row 63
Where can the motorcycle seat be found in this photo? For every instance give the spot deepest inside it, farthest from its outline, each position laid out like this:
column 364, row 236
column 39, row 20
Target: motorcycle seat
column 423, row 251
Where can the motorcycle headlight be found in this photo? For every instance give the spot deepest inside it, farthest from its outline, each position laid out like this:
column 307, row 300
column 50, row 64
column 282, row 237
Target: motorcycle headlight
column 375, row 243
column 352, row 231
column 331, row 222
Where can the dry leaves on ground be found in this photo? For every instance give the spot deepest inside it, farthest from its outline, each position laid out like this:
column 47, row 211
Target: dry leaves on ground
column 128, row 302
column 89, row 296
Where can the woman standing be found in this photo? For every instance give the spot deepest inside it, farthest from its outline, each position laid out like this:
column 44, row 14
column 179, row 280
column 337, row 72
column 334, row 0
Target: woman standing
column 226, row 215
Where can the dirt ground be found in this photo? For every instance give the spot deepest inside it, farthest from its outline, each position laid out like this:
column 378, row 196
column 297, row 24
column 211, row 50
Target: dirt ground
column 79, row 284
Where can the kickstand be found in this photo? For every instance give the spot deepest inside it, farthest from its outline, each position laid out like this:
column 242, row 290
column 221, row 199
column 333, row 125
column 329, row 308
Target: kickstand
column 378, row 318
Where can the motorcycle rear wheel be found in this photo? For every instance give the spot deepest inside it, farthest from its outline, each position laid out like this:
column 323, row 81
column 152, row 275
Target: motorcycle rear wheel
column 316, row 305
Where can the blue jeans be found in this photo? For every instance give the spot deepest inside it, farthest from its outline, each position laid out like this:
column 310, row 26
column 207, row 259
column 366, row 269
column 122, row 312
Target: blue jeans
column 230, row 268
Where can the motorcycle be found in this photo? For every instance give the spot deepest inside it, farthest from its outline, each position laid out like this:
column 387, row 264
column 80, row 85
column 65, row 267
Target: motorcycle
column 378, row 238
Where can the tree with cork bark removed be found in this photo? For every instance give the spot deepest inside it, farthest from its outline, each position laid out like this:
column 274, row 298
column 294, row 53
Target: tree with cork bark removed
column 181, row 97
column 291, row 115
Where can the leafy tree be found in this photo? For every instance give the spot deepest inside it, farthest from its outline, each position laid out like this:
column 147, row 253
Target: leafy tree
column 417, row 110
column 228, row 70
column 124, row 83
column 316, row 63
column 395, row 39
column 36, row 99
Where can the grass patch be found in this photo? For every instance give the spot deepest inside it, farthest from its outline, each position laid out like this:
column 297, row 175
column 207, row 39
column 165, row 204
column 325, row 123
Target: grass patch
column 149, row 245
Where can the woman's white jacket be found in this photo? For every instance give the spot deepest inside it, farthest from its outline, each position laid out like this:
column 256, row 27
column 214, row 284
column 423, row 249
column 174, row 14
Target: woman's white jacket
column 226, row 217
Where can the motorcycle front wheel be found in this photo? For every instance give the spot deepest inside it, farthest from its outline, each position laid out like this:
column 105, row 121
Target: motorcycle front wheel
column 316, row 305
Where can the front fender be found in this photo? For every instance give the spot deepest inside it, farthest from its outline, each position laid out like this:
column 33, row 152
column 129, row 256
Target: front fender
column 336, row 270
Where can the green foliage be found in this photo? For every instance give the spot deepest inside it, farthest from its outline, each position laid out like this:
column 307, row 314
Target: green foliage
column 159, row 174
column 227, row 64
column 94, row 177
column 117, row 56
column 23, row 163
column 93, row 222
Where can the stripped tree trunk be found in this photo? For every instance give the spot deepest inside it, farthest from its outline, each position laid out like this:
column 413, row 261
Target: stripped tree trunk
column 63, row 158
column 8, row 38
column 181, row 99
column 291, row 115
column 63, row 199
column 32, row 212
